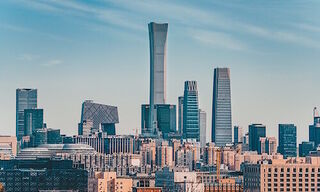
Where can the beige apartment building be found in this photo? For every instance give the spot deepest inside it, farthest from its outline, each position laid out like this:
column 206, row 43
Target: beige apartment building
column 296, row 174
column 109, row 182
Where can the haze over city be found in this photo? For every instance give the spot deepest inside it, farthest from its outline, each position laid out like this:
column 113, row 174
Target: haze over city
column 73, row 50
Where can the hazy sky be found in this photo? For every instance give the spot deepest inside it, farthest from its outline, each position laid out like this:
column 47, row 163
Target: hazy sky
column 73, row 50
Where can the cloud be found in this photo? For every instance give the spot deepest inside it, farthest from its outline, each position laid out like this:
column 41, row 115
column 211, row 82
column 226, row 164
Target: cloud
column 52, row 63
column 218, row 39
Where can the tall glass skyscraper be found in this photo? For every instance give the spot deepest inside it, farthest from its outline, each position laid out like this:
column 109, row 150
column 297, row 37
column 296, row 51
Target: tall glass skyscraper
column 25, row 99
column 191, row 128
column 221, row 108
column 314, row 130
column 158, row 62
column 287, row 140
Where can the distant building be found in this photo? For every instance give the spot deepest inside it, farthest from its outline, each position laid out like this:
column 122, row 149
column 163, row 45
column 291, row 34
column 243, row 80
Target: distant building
column 268, row 145
column 33, row 120
column 165, row 179
column 158, row 63
column 237, row 131
column 8, row 147
column 53, row 136
column 282, row 175
column 305, row 148
column 108, row 181
column 221, row 108
column 164, row 157
column 25, row 99
column 255, row 132
column 42, row 174
column 203, row 127
column 165, row 118
column 180, row 115
column 39, row 137
column 314, row 130
column 86, row 127
column 287, row 140
column 191, row 128
column 99, row 114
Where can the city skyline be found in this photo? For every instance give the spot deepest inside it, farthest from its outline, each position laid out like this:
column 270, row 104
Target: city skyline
column 260, row 92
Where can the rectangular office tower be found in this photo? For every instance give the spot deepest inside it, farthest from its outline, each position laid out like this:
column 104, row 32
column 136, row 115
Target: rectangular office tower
column 256, row 131
column 287, row 140
column 221, row 108
column 158, row 62
column 191, row 128
column 33, row 120
column 165, row 118
column 25, row 99
column 203, row 127
column 237, row 132
column 180, row 114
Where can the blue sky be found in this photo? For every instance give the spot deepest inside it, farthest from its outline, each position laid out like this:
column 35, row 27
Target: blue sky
column 76, row 50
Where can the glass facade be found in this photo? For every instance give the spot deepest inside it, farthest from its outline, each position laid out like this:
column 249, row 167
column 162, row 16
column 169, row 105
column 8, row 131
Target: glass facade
column 221, row 108
column 99, row 114
column 287, row 140
column 25, row 99
column 165, row 115
column 158, row 62
column 256, row 131
column 305, row 148
column 191, row 128
column 33, row 120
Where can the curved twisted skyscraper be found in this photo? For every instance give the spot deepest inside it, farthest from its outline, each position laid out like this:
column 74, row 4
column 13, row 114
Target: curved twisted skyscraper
column 158, row 61
column 221, row 108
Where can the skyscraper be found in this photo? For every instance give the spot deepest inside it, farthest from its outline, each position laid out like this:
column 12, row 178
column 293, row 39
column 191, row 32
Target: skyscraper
column 255, row 132
column 314, row 130
column 99, row 114
column 180, row 114
column 203, row 127
column 287, row 140
column 237, row 132
column 33, row 120
column 221, row 108
column 191, row 111
column 25, row 99
column 158, row 63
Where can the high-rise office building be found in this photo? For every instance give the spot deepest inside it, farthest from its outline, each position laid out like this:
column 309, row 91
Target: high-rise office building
column 203, row 127
column 54, row 136
column 25, row 99
column 158, row 62
column 237, row 132
column 314, row 130
column 33, row 120
column 255, row 132
column 99, row 114
column 287, row 140
column 191, row 111
column 221, row 108
column 180, row 114
column 165, row 118
column 305, row 148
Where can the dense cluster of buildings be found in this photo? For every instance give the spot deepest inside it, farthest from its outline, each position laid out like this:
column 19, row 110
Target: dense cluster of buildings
column 170, row 154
